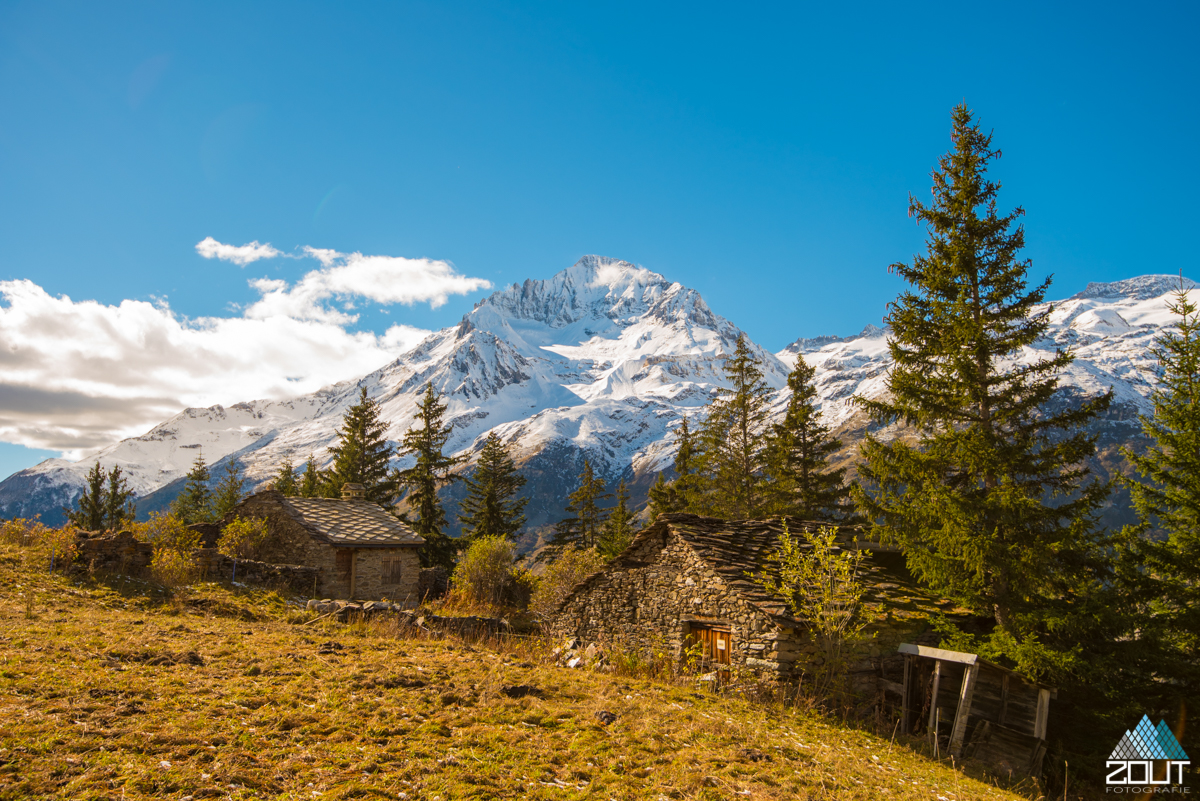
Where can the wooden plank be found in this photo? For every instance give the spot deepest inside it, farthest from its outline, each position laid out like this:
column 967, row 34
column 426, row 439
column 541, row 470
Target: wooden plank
column 1043, row 714
column 889, row 686
column 904, row 693
column 933, row 702
column 939, row 654
column 1003, row 699
column 965, row 696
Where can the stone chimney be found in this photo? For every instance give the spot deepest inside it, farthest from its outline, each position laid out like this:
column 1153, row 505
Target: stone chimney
column 354, row 492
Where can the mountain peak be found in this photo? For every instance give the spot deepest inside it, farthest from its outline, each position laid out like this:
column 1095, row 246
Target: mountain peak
column 1143, row 287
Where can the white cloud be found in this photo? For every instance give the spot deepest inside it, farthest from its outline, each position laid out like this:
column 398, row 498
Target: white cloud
column 345, row 276
column 210, row 248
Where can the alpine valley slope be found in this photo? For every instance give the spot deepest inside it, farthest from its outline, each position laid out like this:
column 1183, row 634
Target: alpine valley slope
column 598, row 362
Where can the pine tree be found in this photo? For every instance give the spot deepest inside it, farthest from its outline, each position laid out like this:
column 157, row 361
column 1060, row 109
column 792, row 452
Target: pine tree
column 797, row 455
column 491, row 508
column 583, row 528
column 362, row 455
column 310, row 485
column 194, row 504
column 680, row 494
column 228, row 492
column 618, row 529
column 732, row 440
column 119, row 508
column 89, row 515
column 425, row 441
column 1166, row 549
column 286, row 483
column 993, row 506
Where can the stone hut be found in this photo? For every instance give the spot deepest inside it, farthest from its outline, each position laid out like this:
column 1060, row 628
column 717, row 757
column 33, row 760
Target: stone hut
column 360, row 549
column 686, row 582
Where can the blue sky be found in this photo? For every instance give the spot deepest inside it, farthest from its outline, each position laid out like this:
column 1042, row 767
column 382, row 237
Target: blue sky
column 763, row 156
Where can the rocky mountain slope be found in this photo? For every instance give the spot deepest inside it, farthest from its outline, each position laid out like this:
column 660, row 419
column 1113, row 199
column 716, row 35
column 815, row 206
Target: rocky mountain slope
column 598, row 362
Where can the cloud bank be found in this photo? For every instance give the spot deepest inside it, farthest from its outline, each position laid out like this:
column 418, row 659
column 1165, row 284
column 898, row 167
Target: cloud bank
column 242, row 255
column 79, row 375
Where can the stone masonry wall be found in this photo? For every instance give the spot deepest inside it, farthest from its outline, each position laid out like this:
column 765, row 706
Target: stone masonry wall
column 653, row 595
column 299, row 579
column 369, row 574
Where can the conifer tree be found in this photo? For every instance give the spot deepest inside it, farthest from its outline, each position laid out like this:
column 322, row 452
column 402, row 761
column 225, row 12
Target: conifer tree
column 1166, row 549
column 89, row 514
column 491, row 508
column 362, row 455
column 732, row 440
column 119, row 508
column 310, row 485
column 228, row 492
column 797, row 454
column 992, row 506
column 286, row 482
column 425, row 441
column 194, row 504
column 618, row 528
column 680, row 494
column 583, row 528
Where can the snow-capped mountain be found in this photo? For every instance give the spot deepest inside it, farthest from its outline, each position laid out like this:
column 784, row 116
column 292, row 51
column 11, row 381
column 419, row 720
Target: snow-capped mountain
column 599, row 362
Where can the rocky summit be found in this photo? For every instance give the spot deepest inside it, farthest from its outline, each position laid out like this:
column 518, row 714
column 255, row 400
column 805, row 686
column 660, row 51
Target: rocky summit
column 600, row 362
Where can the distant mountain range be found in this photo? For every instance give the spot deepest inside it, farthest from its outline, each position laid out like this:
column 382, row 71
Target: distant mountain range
column 599, row 362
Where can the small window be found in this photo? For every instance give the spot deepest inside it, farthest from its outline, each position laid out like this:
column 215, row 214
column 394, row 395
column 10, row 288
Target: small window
column 393, row 567
column 344, row 563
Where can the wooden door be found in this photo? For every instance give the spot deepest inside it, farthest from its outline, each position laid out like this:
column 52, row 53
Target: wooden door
column 716, row 648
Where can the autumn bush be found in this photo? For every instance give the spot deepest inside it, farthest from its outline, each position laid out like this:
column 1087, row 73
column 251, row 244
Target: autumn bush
column 561, row 576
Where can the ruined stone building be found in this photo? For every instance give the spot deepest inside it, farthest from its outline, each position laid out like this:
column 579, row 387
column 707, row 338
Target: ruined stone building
column 686, row 582
column 360, row 549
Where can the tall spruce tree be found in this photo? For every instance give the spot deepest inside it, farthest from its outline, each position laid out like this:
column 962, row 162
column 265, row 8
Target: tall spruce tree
column 992, row 506
column 362, row 455
column 194, row 504
column 801, row 483
column 583, row 528
column 618, row 529
column 119, row 507
column 228, row 492
column 491, row 508
column 310, row 485
column 425, row 441
column 681, row 493
column 90, row 508
column 1166, row 548
column 731, row 439
column 286, row 482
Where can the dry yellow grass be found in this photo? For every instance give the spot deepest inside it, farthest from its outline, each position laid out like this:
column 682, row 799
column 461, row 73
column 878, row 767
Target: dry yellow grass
column 117, row 691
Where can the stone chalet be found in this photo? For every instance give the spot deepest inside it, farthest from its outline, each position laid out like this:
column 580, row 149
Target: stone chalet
column 685, row 582
column 361, row 550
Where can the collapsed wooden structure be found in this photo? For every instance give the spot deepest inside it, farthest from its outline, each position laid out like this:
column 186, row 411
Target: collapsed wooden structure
column 973, row 709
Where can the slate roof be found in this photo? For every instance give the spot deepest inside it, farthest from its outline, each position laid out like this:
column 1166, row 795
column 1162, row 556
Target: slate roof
column 351, row 523
column 735, row 548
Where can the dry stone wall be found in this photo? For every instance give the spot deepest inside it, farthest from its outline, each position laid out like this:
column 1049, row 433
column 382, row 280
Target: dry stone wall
column 297, row 579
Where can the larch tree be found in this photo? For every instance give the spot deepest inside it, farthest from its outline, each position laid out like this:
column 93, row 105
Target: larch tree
column 425, row 441
column 90, row 508
column 362, row 455
column 194, row 503
column 993, row 505
column 618, row 529
column 731, row 441
column 492, row 508
column 800, row 482
column 1166, row 548
column 681, row 493
column 286, row 482
column 310, row 485
column 119, row 508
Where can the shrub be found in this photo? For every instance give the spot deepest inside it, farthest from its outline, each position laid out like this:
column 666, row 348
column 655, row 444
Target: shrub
column 243, row 538
column 22, row 532
column 561, row 576
column 62, row 543
column 174, row 560
column 485, row 570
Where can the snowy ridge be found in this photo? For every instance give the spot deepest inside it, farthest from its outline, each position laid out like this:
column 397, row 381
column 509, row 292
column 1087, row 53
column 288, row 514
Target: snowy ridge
column 599, row 361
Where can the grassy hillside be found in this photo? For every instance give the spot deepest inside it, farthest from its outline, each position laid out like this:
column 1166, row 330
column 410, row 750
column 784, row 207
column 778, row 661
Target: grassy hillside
column 115, row 690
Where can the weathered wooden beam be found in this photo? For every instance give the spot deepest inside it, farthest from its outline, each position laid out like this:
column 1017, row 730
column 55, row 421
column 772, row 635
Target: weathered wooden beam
column 965, row 696
column 1043, row 714
column 933, row 702
column 938, row 654
column 1003, row 698
column 904, row 706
